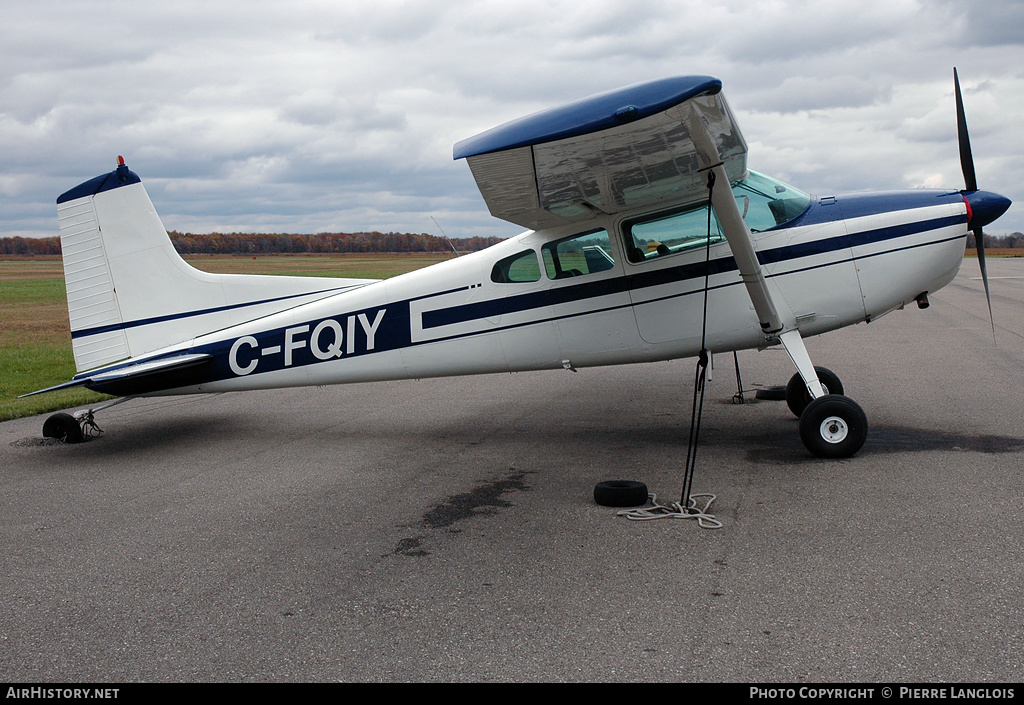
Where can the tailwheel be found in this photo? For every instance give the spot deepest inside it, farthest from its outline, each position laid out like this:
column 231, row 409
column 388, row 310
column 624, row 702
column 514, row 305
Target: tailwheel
column 833, row 426
column 797, row 396
column 63, row 427
column 80, row 427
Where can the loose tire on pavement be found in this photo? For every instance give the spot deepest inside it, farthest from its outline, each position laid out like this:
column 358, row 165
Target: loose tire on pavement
column 777, row 393
column 620, row 493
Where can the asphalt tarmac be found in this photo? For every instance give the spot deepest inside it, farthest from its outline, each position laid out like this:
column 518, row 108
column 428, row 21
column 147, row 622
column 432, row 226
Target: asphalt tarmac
column 445, row 530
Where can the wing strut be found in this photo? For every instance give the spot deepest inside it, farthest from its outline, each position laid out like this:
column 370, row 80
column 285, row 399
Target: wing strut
column 742, row 245
column 794, row 345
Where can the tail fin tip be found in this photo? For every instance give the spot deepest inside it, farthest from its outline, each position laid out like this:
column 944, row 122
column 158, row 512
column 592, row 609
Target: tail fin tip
column 121, row 176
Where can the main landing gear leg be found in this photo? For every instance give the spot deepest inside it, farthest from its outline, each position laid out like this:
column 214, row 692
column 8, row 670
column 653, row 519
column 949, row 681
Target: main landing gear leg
column 831, row 425
column 75, row 429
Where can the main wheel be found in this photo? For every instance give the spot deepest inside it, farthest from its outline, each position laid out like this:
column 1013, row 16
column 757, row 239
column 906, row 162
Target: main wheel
column 63, row 427
column 833, row 426
column 797, row 396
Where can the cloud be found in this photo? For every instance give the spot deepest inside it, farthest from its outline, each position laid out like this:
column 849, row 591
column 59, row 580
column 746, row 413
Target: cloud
column 325, row 115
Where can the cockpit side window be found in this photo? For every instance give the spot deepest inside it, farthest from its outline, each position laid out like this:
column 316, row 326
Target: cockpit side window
column 520, row 267
column 763, row 202
column 671, row 234
column 578, row 255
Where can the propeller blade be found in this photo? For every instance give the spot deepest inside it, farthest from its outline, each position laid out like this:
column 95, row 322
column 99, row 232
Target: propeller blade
column 971, row 182
column 979, row 245
column 966, row 160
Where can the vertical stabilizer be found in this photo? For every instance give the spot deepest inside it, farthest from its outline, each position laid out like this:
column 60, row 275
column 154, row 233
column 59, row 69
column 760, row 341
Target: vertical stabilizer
column 130, row 293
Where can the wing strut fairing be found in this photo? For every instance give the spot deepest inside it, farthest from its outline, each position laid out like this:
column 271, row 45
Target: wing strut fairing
column 610, row 153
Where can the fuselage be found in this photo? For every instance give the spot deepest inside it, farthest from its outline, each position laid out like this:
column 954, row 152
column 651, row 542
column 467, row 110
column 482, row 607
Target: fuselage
column 629, row 288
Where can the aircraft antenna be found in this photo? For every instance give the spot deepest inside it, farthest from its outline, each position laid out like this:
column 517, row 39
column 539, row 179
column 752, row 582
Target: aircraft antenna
column 450, row 243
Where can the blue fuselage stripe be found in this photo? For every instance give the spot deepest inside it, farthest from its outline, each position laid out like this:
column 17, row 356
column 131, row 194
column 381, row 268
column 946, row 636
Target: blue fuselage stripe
column 632, row 282
column 98, row 330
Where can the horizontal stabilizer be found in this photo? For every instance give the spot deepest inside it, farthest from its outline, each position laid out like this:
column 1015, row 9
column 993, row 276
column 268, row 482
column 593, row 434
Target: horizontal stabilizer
column 178, row 362
column 65, row 385
column 129, row 372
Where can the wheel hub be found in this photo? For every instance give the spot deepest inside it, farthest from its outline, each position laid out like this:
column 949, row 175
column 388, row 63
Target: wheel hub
column 834, row 430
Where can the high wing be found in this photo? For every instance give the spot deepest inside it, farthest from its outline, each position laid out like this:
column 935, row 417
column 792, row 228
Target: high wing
column 616, row 151
column 660, row 142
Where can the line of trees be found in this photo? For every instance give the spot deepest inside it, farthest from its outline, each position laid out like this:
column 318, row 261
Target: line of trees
column 321, row 243
column 1015, row 240
column 253, row 244
column 327, row 243
column 30, row 246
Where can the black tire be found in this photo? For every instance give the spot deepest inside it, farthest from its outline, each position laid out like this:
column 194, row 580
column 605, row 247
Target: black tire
column 620, row 493
column 833, row 426
column 63, row 427
column 771, row 393
column 797, row 396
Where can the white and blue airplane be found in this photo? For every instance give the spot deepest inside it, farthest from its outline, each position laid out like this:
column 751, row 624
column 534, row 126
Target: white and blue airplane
column 648, row 239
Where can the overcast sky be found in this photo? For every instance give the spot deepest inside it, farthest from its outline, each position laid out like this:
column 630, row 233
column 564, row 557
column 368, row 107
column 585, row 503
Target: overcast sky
column 340, row 115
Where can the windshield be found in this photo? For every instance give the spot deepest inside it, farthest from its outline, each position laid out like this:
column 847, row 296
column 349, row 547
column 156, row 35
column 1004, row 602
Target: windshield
column 766, row 202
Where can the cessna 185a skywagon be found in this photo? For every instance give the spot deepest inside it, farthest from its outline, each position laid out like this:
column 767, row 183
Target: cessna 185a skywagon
column 648, row 240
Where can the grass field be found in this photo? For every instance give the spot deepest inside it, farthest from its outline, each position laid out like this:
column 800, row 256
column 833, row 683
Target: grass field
column 35, row 335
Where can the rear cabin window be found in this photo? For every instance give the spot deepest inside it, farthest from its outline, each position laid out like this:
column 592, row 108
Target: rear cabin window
column 521, row 267
column 578, row 256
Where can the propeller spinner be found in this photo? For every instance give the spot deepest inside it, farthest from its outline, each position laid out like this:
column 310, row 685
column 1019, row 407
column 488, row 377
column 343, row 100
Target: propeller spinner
column 982, row 206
